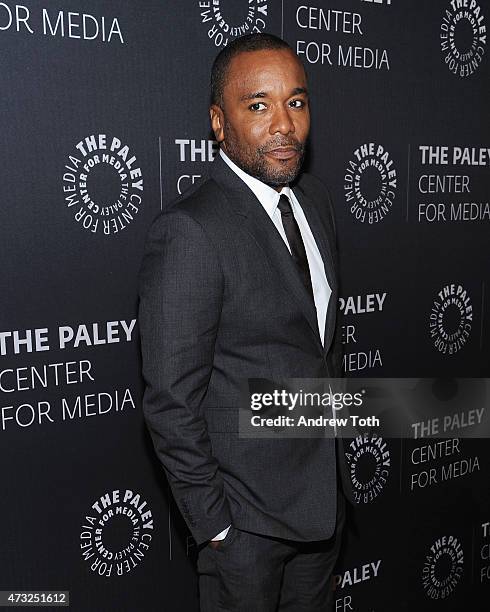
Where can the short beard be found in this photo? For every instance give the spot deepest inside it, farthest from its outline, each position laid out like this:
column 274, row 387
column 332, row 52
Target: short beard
column 254, row 162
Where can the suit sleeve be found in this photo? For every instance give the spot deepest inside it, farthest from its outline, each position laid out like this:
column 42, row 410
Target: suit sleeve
column 181, row 289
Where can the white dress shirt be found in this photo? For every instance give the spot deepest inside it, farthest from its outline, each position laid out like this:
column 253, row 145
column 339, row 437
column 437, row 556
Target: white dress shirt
column 269, row 198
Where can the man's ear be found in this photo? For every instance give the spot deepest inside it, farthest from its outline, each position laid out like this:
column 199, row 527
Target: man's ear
column 217, row 122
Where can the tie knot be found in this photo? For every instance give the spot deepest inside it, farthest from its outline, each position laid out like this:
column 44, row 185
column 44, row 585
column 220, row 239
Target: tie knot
column 284, row 205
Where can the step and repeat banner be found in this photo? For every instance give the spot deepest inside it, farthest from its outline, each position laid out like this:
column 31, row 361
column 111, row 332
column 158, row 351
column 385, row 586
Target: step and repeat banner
column 104, row 121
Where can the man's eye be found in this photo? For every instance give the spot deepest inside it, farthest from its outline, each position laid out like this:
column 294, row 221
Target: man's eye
column 257, row 106
column 297, row 103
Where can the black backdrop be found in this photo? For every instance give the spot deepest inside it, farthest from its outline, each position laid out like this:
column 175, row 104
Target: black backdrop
column 104, row 121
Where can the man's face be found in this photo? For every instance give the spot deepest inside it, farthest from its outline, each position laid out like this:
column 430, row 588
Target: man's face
column 265, row 119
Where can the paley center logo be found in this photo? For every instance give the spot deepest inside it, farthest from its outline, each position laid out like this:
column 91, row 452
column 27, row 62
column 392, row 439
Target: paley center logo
column 443, row 567
column 116, row 533
column 103, row 184
column 463, row 37
column 370, row 183
column 225, row 22
column 451, row 319
column 369, row 461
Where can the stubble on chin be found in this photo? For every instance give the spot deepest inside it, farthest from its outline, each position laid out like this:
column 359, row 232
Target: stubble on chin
column 282, row 172
column 255, row 162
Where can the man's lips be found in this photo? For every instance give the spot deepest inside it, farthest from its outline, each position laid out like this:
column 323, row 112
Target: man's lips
column 283, row 152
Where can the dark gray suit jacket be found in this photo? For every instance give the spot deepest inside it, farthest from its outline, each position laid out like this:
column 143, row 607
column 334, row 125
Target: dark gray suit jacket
column 221, row 301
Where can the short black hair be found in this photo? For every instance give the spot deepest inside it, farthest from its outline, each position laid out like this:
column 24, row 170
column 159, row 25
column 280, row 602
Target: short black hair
column 249, row 42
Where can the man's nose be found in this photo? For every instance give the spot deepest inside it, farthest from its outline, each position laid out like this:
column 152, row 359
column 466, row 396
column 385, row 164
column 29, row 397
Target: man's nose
column 281, row 122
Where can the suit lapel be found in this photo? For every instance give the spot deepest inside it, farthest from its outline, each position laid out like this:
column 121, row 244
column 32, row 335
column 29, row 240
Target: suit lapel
column 259, row 225
column 269, row 240
column 321, row 234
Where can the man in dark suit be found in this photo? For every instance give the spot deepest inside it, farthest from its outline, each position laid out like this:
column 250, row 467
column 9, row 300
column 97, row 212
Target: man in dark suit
column 239, row 282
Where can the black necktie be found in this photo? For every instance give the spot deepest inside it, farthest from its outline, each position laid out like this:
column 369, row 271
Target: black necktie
column 295, row 241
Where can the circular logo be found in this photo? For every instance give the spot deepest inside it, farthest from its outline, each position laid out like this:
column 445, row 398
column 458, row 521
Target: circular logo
column 369, row 462
column 463, row 37
column 443, row 567
column 103, row 184
column 116, row 535
column 370, row 183
column 225, row 22
column 451, row 319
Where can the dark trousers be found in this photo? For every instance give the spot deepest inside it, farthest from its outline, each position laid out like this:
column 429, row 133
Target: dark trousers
column 249, row 572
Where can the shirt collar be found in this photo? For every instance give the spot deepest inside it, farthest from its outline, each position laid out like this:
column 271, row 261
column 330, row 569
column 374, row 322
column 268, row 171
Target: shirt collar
column 267, row 196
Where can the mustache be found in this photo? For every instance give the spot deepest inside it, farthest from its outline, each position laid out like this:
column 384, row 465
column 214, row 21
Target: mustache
column 282, row 142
